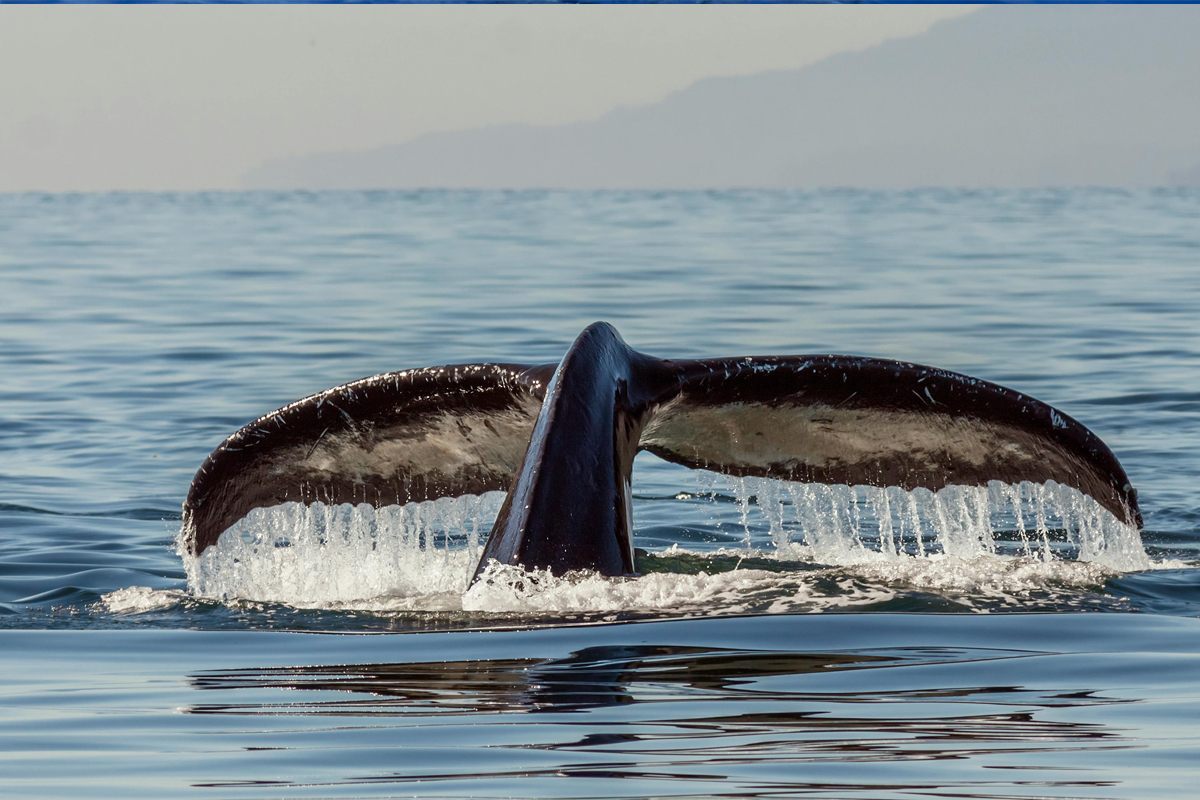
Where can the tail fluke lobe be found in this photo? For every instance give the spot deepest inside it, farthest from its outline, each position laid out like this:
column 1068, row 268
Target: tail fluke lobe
column 852, row 420
column 385, row 440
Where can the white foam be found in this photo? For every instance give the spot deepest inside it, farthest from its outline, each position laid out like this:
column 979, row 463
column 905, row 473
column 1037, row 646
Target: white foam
column 503, row 588
column 860, row 545
column 141, row 599
column 984, row 574
column 989, row 576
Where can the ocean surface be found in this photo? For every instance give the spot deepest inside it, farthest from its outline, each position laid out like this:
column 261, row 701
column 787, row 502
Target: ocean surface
column 784, row 640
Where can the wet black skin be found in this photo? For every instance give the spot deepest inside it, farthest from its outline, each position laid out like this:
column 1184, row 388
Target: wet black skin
column 577, row 470
column 561, row 439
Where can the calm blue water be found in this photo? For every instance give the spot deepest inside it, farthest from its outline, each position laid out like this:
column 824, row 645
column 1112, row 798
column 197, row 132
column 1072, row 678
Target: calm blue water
column 137, row 331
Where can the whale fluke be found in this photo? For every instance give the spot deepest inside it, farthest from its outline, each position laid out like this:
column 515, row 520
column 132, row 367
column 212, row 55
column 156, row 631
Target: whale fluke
column 561, row 438
column 389, row 439
column 866, row 421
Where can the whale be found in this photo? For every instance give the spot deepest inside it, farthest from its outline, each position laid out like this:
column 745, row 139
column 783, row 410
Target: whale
column 560, row 440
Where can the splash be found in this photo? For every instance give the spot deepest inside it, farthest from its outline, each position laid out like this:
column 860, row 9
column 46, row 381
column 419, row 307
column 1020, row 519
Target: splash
column 846, row 525
column 319, row 556
column 504, row 588
column 142, row 599
column 802, row 547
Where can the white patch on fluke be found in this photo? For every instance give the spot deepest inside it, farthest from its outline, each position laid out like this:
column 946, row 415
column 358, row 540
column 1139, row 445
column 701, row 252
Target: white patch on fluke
column 761, row 435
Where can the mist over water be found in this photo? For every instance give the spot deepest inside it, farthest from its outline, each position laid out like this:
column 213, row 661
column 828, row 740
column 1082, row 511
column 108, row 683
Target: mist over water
column 803, row 638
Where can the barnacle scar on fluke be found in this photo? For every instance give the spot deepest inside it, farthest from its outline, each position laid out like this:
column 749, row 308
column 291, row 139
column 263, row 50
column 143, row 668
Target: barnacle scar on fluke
column 561, row 438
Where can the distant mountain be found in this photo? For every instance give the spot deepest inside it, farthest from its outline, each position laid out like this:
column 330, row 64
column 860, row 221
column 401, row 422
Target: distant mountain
column 1007, row 96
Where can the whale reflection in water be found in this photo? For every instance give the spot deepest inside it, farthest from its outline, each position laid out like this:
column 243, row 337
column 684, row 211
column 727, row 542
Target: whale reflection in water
column 694, row 713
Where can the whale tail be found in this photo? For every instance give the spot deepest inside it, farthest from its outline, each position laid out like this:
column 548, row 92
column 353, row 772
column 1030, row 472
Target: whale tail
column 561, row 438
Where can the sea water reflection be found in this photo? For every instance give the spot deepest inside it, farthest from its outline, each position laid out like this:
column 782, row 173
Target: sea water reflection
column 824, row 705
column 663, row 720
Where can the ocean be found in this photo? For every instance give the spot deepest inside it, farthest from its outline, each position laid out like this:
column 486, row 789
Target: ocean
column 784, row 640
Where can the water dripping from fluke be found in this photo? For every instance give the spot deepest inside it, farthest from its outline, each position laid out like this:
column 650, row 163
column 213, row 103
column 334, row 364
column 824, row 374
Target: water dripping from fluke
column 803, row 547
column 858, row 524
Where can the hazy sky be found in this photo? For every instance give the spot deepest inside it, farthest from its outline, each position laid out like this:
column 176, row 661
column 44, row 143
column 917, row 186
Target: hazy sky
column 184, row 98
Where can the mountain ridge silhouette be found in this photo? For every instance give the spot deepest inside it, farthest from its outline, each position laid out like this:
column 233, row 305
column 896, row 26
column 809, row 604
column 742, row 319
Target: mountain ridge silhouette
column 1029, row 96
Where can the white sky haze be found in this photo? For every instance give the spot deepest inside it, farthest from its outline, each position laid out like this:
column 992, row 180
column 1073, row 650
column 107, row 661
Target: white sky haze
column 187, row 98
